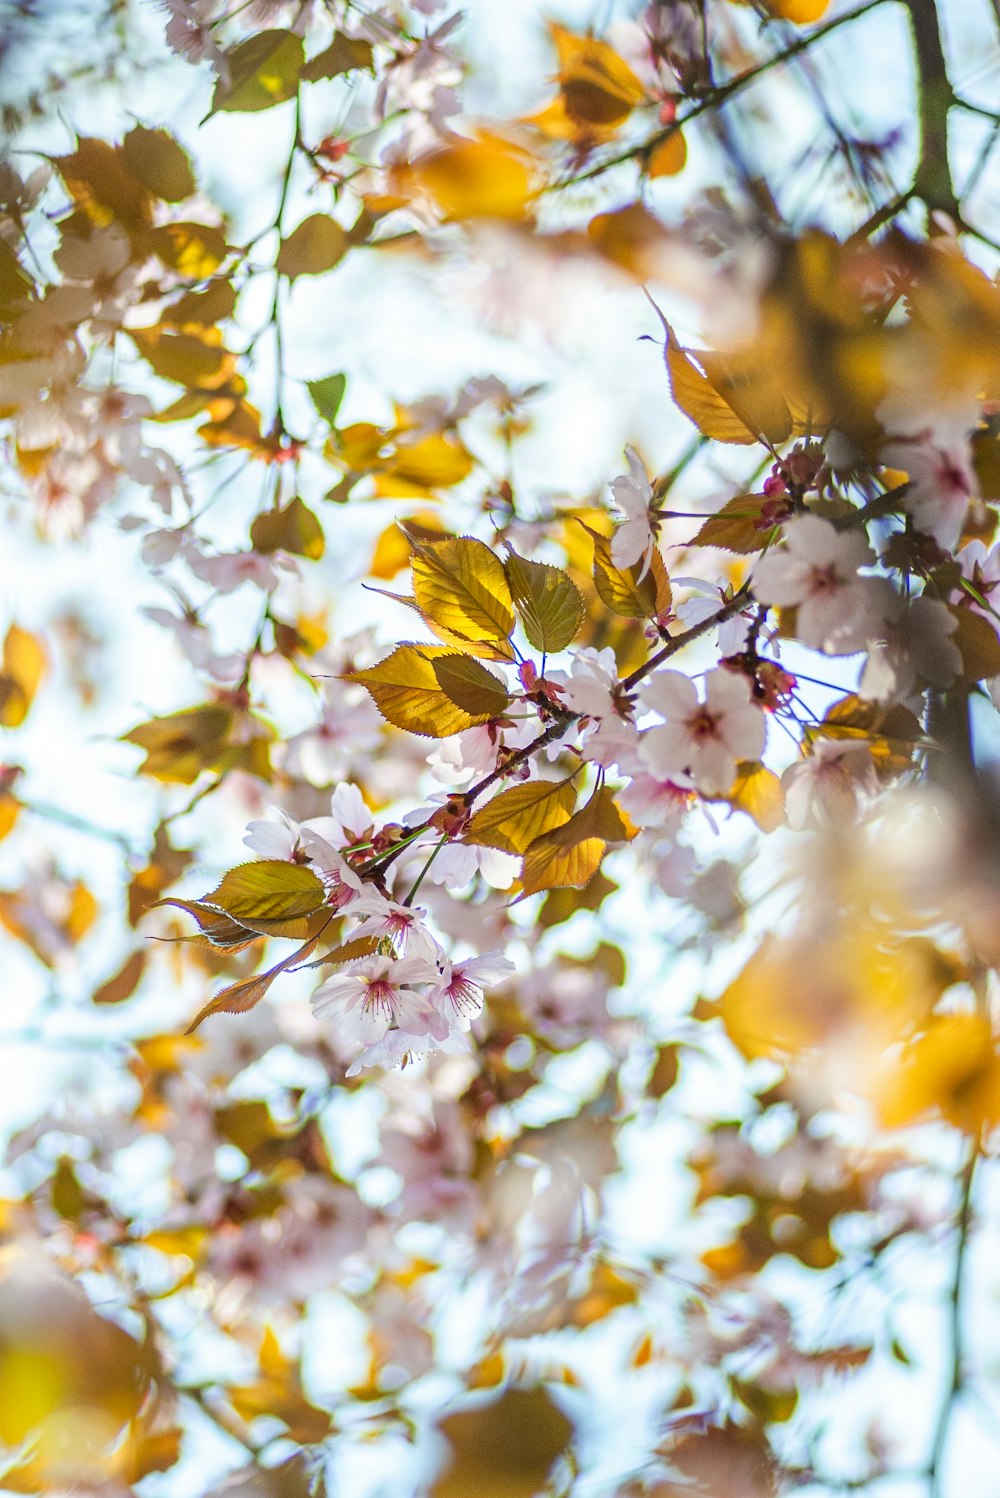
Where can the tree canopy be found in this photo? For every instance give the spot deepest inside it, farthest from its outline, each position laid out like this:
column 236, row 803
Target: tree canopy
column 500, row 801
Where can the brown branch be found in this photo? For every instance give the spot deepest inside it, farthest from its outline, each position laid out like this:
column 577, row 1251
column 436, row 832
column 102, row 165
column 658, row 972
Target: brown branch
column 932, row 181
column 563, row 719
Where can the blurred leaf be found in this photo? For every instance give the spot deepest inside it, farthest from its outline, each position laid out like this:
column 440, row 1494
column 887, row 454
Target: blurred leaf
column 979, row 643
column 156, row 160
column 195, row 251
column 327, row 395
column 23, row 667
column 314, row 247
column 260, row 72
column 343, row 55
column 278, row 1393
column 668, row 156
column 486, row 177
column 508, row 1446
column 294, row 529
column 100, row 182
column 123, row 984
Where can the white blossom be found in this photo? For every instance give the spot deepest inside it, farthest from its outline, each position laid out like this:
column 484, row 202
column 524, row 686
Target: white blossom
column 816, row 572
column 634, row 540
column 702, row 739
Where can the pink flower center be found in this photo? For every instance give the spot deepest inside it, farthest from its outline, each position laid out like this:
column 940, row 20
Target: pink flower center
column 380, row 996
column 824, row 579
column 704, row 725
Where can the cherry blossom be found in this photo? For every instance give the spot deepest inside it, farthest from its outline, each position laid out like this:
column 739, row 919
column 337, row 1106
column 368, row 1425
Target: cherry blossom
column 830, row 785
column 402, row 924
column 981, row 568
column 914, row 647
column 276, row 836
column 460, row 992
column 634, row 540
column 703, row 739
column 816, row 572
column 377, row 994
column 941, row 482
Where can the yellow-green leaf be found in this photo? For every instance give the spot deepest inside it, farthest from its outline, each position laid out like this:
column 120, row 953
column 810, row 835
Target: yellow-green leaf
column 734, row 527
column 406, row 691
column 516, row 817
column 260, row 72
column 462, row 589
column 195, row 251
column 294, row 529
column 269, row 891
column 313, row 248
column 469, row 685
column 160, row 163
column 549, row 604
column 622, row 590
column 507, row 1447
column 571, row 854
column 343, row 55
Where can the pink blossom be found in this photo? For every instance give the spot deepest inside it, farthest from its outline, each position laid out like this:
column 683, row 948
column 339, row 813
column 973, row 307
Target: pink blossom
column 913, row 648
column 702, row 739
column 982, row 569
column 941, row 483
column 635, row 539
column 402, row 924
column 459, row 994
column 375, row 994
column 830, row 785
column 816, row 572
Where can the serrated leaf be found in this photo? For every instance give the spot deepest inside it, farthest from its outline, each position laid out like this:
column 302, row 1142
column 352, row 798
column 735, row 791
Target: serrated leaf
column 729, row 397
column 294, row 529
column 313, row 248
column 241, row 997
column 469, row 685
column 549, row 604
column 406, row 691
column 260, row 72
column 571, row 854
column 269, row 890
column 622, row 590
column 160, row 163
column 461, row 587
column 326, row 395
column 215, row 927
column 516, row 817
column 734, row 527
column 343, row 55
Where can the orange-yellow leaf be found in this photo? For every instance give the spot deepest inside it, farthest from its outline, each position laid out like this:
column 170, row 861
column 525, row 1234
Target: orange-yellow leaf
column 516, row 817
column 461, row 588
